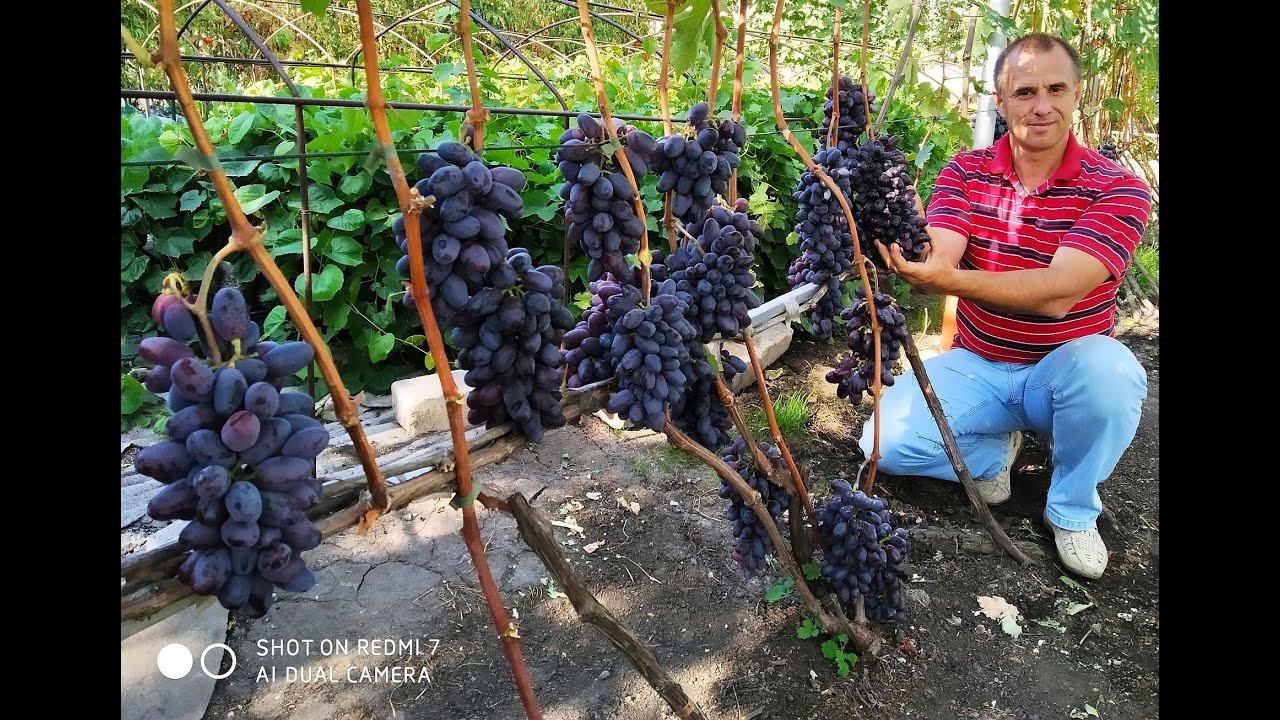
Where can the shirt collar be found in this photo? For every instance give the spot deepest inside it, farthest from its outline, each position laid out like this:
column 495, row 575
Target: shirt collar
column 1002, row 163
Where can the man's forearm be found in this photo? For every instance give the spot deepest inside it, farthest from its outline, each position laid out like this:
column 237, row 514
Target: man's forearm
column 1033, row 292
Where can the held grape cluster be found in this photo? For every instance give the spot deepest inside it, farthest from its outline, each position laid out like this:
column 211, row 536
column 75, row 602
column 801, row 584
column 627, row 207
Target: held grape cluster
column 826, row 243
column 510, row 347
column 867, row 555
column 1109, row 151
column 464, row 244
column 853, row 113
column 648, row 353
column 885, row 203
column 238, row 461
column 599, row 200
column 751, row 539
column 856, row 373
column 697, row 162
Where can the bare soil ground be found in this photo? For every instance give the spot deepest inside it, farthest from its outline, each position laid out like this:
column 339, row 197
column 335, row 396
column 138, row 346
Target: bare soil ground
column 663, row 567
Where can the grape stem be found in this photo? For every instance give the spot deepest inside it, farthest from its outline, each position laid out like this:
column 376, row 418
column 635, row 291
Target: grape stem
column 866, row 89
column 749, row 340
column 722, row 34
column 834, row 621
column 953, row 453
column 412, row 204
column 748, row 438
column 668, row 220
column 477, row 115
column 821, row 174
column 832, row 132
column 900, row 73
column 200, row 308
column 736, row 112
column 247, row 238
column 584, row 18
column 535, row 528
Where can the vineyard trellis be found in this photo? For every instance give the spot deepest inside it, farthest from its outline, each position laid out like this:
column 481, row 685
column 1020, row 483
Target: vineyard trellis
column 149, row 590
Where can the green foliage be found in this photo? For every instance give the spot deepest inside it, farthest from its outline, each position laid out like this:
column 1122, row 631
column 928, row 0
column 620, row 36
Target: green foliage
column 833, row 648
column 173, row 220
column 779, row 590
column 139, row 407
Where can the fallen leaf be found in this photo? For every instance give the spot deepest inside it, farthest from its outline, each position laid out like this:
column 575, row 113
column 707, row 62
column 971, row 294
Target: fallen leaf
column 1009, row 624
column 775, row 373
column 571, row 526
column 1091, row 709
column 633, row 506
column 592, row 547
column 1072, row 583
column 1074, row 608
column 995, row 607
column 1051, row 624
column 594, row 495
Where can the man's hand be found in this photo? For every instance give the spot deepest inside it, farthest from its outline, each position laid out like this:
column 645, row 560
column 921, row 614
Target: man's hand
column 930, row 274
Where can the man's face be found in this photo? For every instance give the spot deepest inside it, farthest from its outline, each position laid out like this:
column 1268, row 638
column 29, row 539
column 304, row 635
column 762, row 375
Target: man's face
column 1039, row 94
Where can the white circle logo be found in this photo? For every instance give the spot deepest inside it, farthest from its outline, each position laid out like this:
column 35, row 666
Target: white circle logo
column 174, row 661
column 205, row 654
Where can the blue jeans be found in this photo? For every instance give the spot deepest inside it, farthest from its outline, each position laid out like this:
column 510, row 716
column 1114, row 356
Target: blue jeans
column 1086, row 395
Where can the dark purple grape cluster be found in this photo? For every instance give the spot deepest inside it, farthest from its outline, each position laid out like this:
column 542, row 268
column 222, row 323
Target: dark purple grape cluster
column 1001, row 128
column 464, row 245
column 585, row 352
column 716, row 271
column 648, row 353
column 600, row 209
column 867, row 555
column 238, row 461
column 853, row 113
column 510, row 347
column 826, row 244
column 751, row 539
column 697, row 162
column 855, row 374
column 885, row 200
column 1109, row 151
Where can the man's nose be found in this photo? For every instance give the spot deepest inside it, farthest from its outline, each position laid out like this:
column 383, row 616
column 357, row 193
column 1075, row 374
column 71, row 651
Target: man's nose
column 1042, row 105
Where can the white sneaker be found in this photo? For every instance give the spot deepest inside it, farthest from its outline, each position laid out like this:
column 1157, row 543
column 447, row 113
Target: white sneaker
column 996, row 490
column 1081, row 551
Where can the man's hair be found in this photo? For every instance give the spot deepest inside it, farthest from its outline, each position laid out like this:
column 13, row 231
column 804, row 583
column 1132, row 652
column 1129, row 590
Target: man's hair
column 1037, row 42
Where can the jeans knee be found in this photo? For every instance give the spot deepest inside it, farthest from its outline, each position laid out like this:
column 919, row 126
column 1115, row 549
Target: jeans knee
column 1107, row 372
column 901, row 453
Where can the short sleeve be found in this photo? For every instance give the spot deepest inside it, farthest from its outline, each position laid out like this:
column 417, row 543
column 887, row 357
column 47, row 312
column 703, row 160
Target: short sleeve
column 1113, row 225
column 949, row 205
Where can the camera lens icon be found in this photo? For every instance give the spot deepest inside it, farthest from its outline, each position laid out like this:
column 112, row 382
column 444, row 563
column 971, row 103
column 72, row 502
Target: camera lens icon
column 175, row 661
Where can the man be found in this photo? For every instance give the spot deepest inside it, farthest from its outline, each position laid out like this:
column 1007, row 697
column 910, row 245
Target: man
column 1033, row 235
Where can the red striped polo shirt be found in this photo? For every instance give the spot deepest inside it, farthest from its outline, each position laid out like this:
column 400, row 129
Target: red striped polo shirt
column 1090, row 203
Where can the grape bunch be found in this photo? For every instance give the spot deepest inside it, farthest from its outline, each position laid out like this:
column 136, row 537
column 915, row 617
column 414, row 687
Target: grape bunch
column 716, row 270
column 1002, row 127
column 238, row 462
column 586, row 352
column 648, row 352
column 173, row 318
column 826, row 244
column 853, row 113
column 697, row 162
column 751, row 539
column 867, row 555
column 885, row 200
column 463, row 237
column 1109, row 151
column 510, row 347
column 599, row 200
column 856, row 374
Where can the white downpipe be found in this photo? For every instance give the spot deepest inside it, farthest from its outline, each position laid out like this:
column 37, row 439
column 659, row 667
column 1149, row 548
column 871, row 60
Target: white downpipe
column 985, row 126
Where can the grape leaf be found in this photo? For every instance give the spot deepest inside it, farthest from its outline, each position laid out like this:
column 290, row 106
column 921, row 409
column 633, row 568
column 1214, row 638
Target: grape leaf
column 692, row 30
column 315, row 7
column 323, row 286
column 779, row 591
column 380, row 346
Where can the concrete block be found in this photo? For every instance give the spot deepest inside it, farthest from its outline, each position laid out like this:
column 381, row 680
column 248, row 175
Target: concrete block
column 419, row 403
column 148, row 694
column 771, row 344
